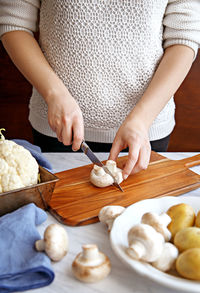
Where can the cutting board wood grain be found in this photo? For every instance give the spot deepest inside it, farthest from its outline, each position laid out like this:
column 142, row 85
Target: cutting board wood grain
column 75, row 201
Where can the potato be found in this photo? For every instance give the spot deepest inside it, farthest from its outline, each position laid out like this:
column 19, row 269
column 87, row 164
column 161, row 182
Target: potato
column 188, row 264
column 187, row 238
column 197, row 221
column 182, row 216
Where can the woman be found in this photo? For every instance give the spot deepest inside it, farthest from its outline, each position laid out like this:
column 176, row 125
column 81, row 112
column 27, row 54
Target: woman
column 103, row 71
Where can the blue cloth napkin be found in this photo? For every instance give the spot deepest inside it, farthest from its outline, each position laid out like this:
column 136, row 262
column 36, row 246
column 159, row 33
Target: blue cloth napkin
column 36, row 153
column 21, row 266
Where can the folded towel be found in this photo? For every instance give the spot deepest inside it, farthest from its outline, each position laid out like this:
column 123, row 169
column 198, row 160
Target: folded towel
column 21, row 266
column 36, row 153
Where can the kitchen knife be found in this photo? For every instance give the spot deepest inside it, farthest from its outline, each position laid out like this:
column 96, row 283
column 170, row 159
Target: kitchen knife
column 86, row 149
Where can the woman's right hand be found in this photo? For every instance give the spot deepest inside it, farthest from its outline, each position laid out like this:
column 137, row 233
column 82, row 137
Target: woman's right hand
column 64, row 114
column 65, row 118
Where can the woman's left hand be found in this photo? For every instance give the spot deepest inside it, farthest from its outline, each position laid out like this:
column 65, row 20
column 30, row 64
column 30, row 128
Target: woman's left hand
column 134, row 135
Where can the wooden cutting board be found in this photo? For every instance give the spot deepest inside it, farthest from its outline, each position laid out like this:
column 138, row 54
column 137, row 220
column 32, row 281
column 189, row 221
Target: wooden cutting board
column 75, row 201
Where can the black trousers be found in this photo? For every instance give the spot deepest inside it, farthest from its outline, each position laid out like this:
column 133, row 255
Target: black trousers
column 51, row 144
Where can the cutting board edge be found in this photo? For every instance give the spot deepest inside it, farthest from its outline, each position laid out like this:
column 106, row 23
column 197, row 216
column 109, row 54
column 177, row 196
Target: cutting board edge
column 92, row 220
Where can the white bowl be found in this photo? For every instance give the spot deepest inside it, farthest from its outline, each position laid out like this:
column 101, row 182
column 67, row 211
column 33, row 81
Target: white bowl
column 132, row 216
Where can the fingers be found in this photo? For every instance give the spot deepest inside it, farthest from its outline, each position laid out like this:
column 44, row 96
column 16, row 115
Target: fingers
column 65, row 118
column 115, row 150
column 67, row 134
column 131, row 161
column 138, row 159
column 54, row 123
column 73, row 133
column 143, row 160
column 117, row 146
column 138, row 156
column 78, row 135
column 58, row 132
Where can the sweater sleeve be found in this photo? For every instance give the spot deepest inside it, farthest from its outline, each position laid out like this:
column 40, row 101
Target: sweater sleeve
column 19, row 15
column 182, row 24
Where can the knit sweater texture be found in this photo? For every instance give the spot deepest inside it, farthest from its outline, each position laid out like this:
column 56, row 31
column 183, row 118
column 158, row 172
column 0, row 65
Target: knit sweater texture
column 105, row 52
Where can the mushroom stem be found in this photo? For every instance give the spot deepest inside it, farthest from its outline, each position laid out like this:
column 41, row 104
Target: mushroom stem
column 136, row 250
column 90, row 255
column 40, row 245
column 111, row 165
column 99, row 171
column 90, row 251
column 145, row 243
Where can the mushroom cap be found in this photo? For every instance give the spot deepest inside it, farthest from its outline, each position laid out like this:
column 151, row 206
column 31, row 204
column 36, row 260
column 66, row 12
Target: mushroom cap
column 167, row 259
column 100, row 178
column 56, row 242
column 158, row 222
column 91, row 265
column 145, row 243
column 108, row 214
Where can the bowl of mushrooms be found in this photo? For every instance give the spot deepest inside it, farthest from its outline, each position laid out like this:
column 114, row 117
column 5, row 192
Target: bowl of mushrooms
column 160, row 239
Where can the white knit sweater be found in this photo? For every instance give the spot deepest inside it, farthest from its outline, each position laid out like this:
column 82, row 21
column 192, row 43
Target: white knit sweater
column 105, row 52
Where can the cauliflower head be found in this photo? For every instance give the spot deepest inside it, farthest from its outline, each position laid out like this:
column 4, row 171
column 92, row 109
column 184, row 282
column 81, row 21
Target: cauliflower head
column 18, row 168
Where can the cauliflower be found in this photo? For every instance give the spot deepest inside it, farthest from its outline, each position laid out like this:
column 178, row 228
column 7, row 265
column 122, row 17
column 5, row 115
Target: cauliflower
column 18, row 168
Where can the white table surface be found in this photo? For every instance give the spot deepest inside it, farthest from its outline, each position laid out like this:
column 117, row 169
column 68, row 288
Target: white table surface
column 121, row 279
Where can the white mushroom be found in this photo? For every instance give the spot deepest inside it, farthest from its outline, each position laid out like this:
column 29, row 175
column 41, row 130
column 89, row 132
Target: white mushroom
column 158, row 222
column 100, row 178
column 108, row 214
column 91, row 265
column 145, row 243
column 117, row 172
column 166, row 260
column 55, row 242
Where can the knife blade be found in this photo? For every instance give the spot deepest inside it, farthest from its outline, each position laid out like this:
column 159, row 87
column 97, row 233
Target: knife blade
column 93, row 158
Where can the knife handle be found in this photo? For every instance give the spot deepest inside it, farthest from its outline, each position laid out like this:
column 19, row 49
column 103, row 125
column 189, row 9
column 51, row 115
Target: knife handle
column 84, row 147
